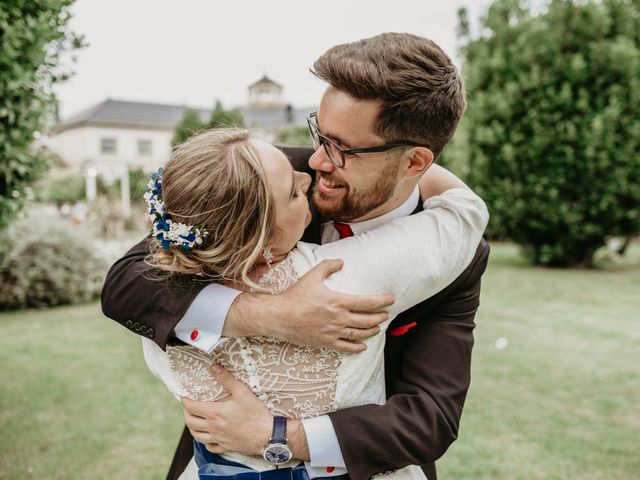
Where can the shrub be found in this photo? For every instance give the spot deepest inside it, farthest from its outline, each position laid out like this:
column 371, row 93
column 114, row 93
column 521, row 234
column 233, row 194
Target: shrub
column 47, row 265
column 34, row 38
column 294, row 137
column 60, row 185
column 553, row 124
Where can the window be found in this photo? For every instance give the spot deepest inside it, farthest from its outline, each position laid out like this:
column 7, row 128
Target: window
column 144, row 147
column 108, row 145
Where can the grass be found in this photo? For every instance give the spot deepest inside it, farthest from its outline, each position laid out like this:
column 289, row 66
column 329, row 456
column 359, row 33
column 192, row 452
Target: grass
column 77, row 401
column 561, row 401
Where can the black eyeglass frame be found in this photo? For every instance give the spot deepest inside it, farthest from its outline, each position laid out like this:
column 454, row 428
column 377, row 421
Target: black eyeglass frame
column 344, row 152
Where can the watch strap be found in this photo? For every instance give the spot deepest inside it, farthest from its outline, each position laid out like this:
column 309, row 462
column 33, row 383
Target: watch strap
column 279, row 434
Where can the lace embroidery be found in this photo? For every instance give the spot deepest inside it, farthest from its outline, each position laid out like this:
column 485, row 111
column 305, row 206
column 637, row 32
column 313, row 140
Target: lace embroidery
column 294, row 381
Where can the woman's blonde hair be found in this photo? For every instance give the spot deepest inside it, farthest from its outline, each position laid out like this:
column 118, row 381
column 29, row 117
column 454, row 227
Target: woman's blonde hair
column 215, row 181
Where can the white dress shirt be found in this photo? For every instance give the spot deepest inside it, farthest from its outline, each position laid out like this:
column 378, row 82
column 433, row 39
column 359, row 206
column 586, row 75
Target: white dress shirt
column 207, row 314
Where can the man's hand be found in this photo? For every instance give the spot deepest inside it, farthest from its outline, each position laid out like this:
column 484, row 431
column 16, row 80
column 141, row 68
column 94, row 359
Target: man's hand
column 239, row 423
column 310, row 314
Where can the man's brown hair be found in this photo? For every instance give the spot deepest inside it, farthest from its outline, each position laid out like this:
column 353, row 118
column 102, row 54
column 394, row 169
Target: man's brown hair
column 421, row 91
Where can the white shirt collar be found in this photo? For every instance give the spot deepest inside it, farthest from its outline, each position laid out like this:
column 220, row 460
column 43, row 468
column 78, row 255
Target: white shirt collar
column 403, row 210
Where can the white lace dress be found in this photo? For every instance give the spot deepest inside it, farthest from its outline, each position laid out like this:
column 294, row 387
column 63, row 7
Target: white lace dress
column 413, row 258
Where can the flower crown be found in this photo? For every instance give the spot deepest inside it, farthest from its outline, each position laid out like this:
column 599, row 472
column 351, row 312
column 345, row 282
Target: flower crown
column 164, row 229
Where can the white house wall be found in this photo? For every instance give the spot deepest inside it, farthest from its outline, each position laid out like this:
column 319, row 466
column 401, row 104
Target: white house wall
column 80, row 148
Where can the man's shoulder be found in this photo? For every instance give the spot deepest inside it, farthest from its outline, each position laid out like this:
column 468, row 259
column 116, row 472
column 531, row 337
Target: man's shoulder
column 477, row 266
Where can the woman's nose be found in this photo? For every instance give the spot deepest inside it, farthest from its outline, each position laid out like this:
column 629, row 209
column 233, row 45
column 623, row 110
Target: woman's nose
column 306, row 182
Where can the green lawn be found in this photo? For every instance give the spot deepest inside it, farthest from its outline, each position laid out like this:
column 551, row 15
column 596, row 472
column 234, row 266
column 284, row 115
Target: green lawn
column 561, row 401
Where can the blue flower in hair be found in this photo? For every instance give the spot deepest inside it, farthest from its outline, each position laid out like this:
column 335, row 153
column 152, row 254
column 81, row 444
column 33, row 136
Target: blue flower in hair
column 165, row 230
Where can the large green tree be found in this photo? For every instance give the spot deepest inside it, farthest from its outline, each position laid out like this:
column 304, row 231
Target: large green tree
column 190, row 124
column 34, row 36
column 553, row 124
column 221, row 118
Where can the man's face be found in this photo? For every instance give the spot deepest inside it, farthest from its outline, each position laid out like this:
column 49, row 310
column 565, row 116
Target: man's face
column 367, row 181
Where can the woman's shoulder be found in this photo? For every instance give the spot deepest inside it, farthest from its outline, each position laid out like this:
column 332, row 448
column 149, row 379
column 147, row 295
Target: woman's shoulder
column 303, row 257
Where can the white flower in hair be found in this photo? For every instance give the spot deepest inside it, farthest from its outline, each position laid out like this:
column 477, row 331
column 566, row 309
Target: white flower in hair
column 165, row 230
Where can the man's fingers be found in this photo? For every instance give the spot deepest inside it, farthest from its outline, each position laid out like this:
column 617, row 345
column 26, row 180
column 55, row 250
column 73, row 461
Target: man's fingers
column 228, row 381
column 349, row 347
column 202, row 437
column 365, row 321
column 367, row 303
column 215, row 448
column 359, row 334
column 326, row 268
column 195, row 407
column 195, row 423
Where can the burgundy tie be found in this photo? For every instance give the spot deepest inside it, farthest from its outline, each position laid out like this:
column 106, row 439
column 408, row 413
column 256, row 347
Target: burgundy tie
column 344, row 230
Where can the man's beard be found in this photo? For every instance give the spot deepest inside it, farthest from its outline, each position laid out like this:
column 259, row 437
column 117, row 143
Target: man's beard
column 357, row 203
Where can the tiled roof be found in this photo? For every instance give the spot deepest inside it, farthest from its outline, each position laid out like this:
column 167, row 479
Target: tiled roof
column 275, row 117
column 119, row 111
column 123, row 113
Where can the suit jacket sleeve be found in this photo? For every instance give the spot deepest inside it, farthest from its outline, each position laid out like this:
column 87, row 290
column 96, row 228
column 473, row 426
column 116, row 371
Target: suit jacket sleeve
column 145, row 305
column 152, row 308
column 428, row 385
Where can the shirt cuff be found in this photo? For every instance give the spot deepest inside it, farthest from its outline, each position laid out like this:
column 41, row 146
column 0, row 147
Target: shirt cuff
column 324, row 448
column 202, row 324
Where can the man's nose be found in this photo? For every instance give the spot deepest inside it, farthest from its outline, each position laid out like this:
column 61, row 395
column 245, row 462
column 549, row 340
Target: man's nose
column 320, row 161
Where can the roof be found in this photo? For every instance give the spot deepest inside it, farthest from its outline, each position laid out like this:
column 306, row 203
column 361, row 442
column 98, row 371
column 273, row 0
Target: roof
column 127, row 112
column 275, row 117
column 265, row 81
column 152, row 115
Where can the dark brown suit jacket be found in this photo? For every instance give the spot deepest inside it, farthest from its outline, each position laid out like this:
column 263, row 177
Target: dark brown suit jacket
column 427, row 369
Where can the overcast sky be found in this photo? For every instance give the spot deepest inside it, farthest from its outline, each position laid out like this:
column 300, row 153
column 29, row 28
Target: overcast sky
column 194, row 51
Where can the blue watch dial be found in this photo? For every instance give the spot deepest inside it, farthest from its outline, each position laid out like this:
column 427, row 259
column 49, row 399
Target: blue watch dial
column 277, row 453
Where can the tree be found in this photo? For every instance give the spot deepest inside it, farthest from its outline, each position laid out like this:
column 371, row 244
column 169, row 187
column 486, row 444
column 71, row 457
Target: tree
column 34, row 39
column 190, row 124
column 294, row 137
column 553, row 124
column 221, row 118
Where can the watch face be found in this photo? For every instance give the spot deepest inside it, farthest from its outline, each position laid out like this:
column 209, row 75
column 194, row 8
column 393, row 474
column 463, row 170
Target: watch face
column 277, row 453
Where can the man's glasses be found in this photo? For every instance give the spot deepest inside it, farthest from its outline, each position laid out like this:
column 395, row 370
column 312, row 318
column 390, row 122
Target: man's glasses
column 338, row 155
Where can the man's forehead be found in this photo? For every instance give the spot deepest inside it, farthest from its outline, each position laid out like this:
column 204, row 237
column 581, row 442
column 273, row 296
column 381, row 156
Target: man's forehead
column 348, row 120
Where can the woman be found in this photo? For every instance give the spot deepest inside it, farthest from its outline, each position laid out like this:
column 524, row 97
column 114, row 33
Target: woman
column 232, row 210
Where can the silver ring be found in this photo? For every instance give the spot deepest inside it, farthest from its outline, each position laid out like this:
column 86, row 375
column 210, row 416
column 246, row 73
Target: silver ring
column 350, row 334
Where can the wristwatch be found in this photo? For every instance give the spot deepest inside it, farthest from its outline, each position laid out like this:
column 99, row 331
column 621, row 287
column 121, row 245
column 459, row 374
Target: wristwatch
column 276, row 451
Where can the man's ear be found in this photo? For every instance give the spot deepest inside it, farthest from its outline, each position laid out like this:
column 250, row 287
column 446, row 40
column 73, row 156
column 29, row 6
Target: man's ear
column 419, row 161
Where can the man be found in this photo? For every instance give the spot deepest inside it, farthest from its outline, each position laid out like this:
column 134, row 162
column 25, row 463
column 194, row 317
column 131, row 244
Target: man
column 389, row 97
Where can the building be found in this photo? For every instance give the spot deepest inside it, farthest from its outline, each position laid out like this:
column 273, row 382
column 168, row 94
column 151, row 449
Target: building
column 115, row 136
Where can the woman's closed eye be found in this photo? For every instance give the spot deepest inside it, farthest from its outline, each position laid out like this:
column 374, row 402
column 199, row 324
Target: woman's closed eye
column 297, row 191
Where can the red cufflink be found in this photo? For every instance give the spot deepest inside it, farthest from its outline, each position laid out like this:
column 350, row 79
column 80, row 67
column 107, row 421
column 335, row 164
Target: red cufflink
column 399, row 331
column 330, row 469
column 194, row 335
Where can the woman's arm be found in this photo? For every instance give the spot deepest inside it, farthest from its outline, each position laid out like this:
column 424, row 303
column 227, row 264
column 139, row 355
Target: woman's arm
column 413, row 257
column 437, row 180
